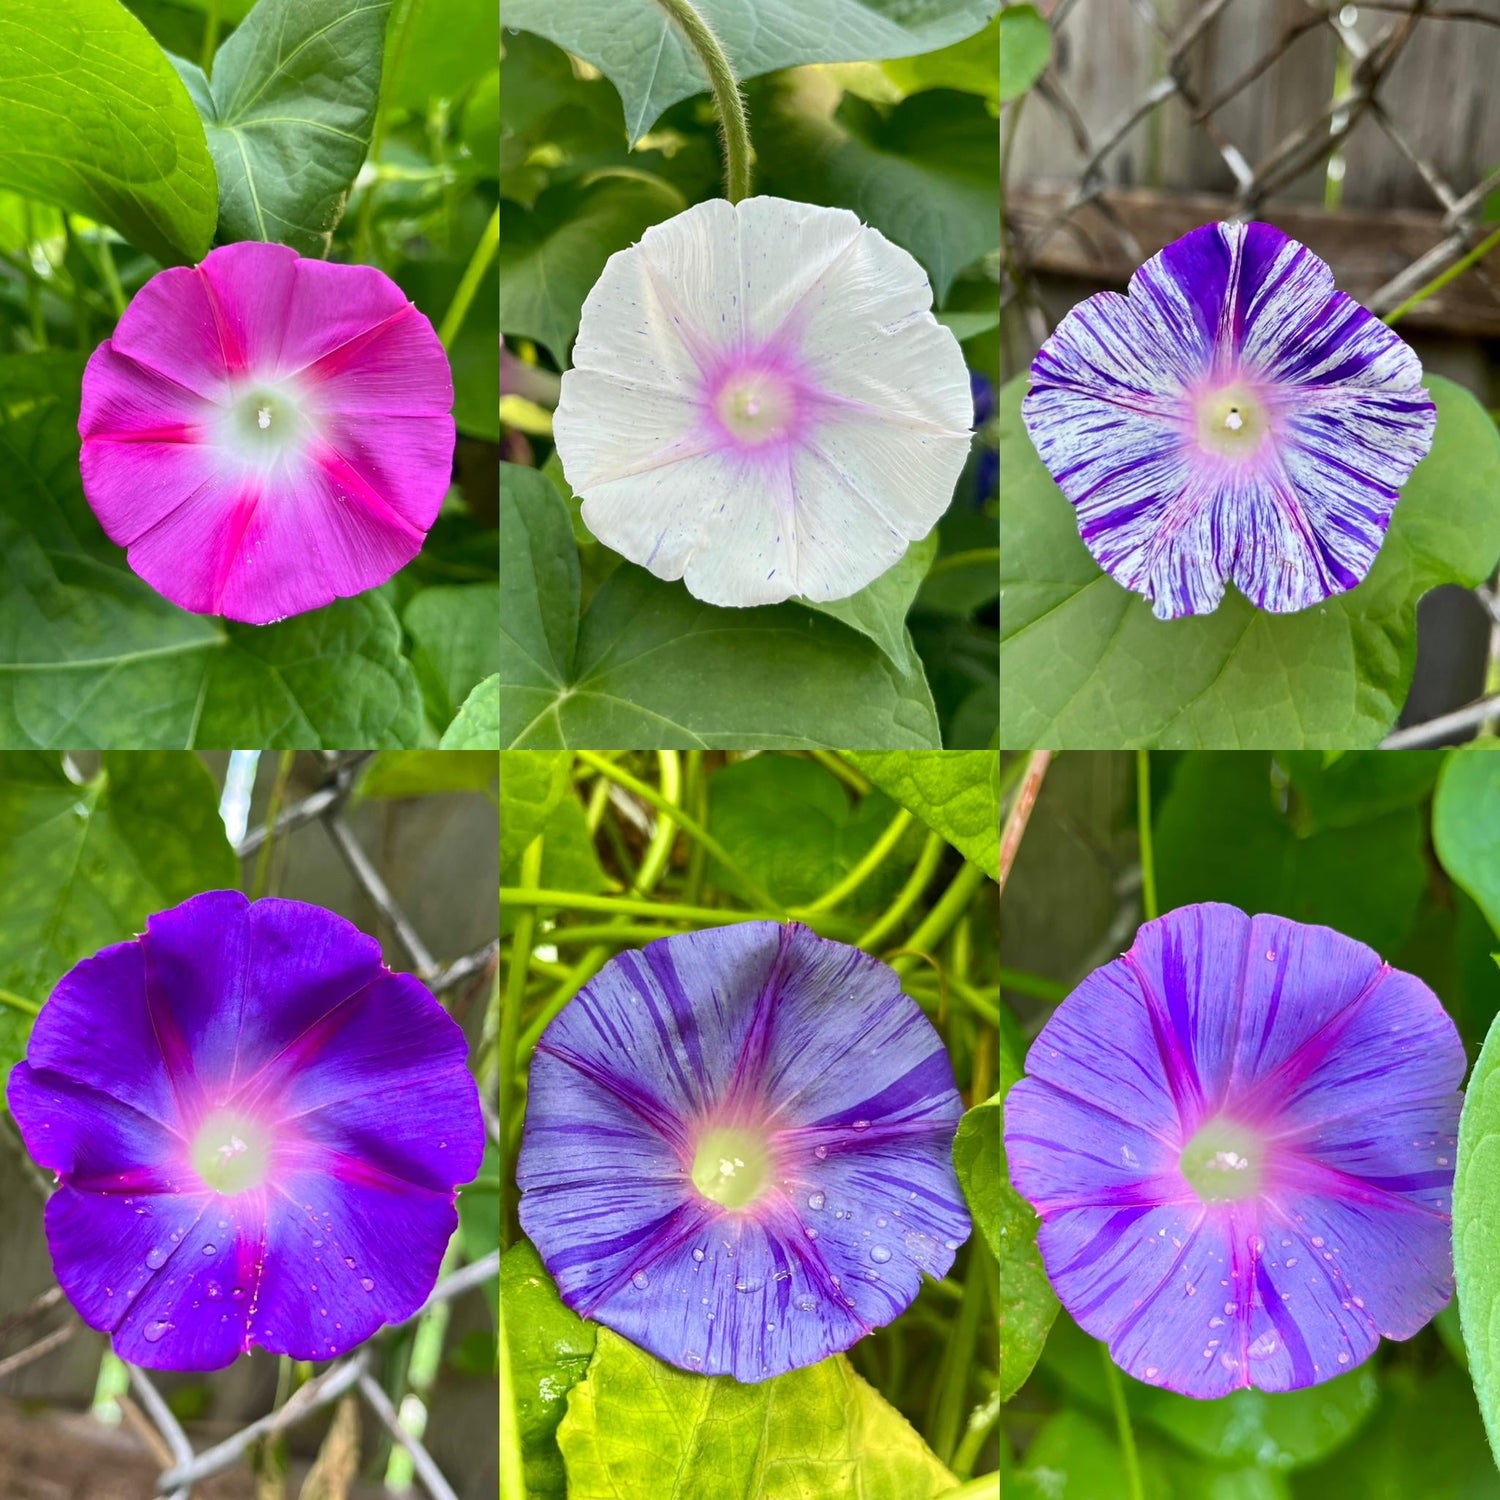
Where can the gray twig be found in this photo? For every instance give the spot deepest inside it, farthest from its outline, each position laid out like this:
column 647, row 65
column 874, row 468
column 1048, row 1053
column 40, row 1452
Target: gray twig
column 1440, row 728
column 375, row 888
column 427, row 1471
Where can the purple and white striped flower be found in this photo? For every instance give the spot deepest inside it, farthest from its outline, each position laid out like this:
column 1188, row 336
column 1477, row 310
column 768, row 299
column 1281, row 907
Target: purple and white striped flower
column 762, row 404
column 1240, row 1138
column 1232, row 419
column 738, row 1149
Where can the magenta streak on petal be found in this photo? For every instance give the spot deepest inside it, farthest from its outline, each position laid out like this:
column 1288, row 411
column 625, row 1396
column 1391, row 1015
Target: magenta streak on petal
column 235, row 362
column 1266, row 1098
column 342, row 475
column 341, row 358
column 1173, row 1048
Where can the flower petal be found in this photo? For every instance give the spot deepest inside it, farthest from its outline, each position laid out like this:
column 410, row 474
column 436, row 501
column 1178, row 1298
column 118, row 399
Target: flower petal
column 381, row 1078
column 135, row 1267
column 92, row 1140
column 123, row 1060
column 348, row 1248
column 233, row 982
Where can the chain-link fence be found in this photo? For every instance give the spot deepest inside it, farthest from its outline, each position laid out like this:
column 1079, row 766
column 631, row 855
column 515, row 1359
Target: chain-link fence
column 354, row 1376
column 1368, row 131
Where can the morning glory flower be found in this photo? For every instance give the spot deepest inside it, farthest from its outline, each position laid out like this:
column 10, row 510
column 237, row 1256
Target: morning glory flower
column 1240, row 1138
column 738, row 1147
column 257, row 1132
column 266, row 434
column 1234, row 418
column 762, row 404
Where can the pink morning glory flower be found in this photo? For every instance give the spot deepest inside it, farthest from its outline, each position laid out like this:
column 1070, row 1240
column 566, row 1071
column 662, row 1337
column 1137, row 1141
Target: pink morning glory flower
column 1240, row 1138
column 257, row 1131
column 738, row 1149
column 762, row 404
column 1232, row 419
column 266, row 434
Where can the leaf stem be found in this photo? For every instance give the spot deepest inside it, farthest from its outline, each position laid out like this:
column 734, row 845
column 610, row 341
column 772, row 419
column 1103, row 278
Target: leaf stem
column 211, row 23
column 1122, row 1426
column 512, row 1473
column 1020, row 811
column 515, row 991
column 578, row 976
column 733, row 121
column 474, row 273
column 631, row 906
column 1442, row 279
column 1143, row 829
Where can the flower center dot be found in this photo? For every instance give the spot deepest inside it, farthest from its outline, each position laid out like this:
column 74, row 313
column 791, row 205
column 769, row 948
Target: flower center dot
column 1231, row 422
column 755, row 406
column 731, row 1167
column 1223, row 1162
column 231, row 1152
column 264, row 426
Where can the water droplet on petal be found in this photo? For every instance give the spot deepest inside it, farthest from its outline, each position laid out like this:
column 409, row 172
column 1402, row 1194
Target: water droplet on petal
column 698, row 1256
column 156, row 1258
column 210, row 1249
column 811, row 1233
column 367, row 1284
column 861, row 1124
column 816, row 1200
column 1343, row 1357
column 879, row 1254
column 214, row 1290
column 640, row 1281
column 156, row 1330
column 808, row 1304
column 821, row 1152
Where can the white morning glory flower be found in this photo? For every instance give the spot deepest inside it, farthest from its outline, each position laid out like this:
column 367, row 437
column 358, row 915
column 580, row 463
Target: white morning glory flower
column 762, row 404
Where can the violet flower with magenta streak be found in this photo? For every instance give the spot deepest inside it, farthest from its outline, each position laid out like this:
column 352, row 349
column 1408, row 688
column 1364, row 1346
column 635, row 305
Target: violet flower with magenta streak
column 257, row 1131
column 1240, row 1137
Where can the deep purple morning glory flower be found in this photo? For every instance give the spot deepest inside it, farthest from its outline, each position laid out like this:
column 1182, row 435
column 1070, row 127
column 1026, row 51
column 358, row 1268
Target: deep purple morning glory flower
column 257, row 1131
column 738, row 1149
column 1234, row 418
column 1240, row 1138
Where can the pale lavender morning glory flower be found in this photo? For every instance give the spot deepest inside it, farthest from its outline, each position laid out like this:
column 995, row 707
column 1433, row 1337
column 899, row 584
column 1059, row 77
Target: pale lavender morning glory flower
column 738, row 1149
column 1240, row 1138
column 1233, row 419
column 762, row 404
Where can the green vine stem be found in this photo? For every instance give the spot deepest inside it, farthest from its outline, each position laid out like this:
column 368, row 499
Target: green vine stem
column 1123, row 1428
column 872, row 861
column 667, row 808
column 512, row 1472
column 515, row 992
column 1442, row 279
column 474, row 273
column 734, row 124
column 1143, row 829
column 891, row 918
